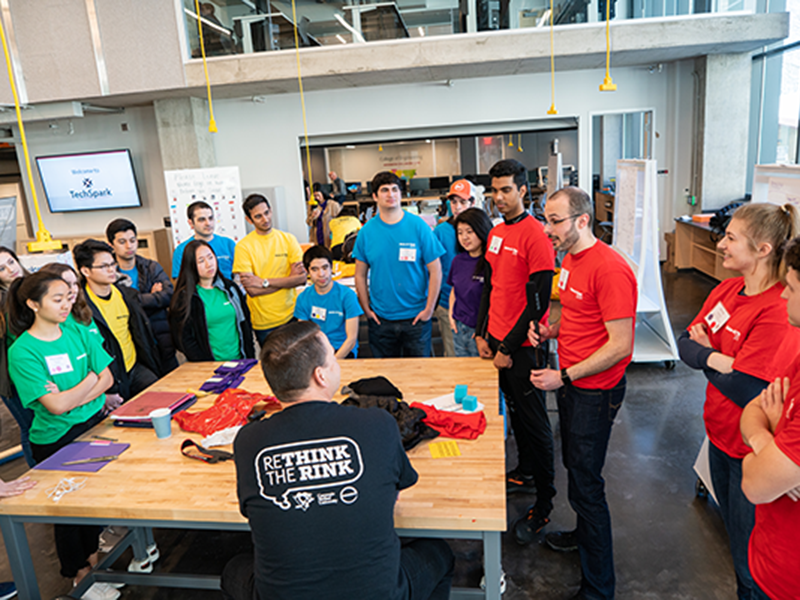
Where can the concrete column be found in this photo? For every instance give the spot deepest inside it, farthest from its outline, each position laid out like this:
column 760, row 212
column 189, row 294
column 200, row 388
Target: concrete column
column 183, row 134
column 724, row 123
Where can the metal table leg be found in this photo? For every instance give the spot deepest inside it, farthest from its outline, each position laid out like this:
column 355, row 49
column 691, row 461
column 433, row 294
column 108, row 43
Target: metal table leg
column 491, row 564
column 19, row 557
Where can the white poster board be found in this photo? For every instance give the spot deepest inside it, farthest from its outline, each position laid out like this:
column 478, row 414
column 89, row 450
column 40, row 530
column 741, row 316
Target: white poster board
column 777, row 184
column 219, row 187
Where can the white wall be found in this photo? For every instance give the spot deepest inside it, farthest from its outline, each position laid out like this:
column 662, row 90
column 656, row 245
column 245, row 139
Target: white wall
column 263, row 139
column 100, row 132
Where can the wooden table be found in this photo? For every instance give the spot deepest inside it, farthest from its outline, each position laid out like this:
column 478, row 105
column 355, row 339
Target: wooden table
column 153, row 485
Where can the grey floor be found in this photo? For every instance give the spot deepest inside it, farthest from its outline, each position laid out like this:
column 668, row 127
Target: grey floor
column 668, row 543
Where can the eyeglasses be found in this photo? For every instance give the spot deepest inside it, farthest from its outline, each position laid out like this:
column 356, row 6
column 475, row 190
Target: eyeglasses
column 554, row 222
column 104, row 266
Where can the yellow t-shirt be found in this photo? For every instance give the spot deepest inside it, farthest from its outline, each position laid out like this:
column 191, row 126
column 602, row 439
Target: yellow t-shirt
column 269, row 256
column 341, row 227
column 115, row 312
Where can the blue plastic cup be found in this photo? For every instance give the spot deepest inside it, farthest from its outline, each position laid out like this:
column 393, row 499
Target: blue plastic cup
column 161, row 418
column 460, row 392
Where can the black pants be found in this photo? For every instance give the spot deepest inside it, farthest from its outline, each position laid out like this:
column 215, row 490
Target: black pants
column 426, row 568
column 527, row 410
column 140, row 378
column 74, row 543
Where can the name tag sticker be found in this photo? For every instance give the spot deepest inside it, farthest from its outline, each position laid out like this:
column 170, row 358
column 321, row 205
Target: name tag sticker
column 319, row 313
column 408, row 254
column 495, row 244
column 58, row 363
column 562, row 279
column 717, row 318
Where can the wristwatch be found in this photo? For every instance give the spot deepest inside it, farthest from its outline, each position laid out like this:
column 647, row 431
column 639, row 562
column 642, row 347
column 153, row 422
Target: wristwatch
column 502, row 349
column 265, row 283
column 564, row 377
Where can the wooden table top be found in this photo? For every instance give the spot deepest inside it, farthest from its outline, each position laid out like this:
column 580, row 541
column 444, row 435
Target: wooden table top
column 153, row 480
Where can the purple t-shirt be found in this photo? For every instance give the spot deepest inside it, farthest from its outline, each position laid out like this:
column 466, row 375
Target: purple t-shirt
column 468, row 288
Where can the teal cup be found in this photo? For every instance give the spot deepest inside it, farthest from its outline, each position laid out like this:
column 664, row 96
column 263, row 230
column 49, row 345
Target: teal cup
column 161, row 418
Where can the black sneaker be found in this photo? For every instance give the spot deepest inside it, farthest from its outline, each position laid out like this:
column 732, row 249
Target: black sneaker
column 562, row 541
column 518, row 483
column 526, row 527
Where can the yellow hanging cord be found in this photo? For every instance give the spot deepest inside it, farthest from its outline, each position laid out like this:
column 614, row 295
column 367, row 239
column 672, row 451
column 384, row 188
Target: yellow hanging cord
column 552, row 110
column 212, row 124
column 302, row 98
column 608, row 85
column 511, row 140
column 519, row 142
column 44, row 240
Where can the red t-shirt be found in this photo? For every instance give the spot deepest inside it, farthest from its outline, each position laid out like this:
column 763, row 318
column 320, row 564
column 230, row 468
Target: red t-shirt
column 774, row 551
column 755, row 331
column 514, row 252
column 597, row 286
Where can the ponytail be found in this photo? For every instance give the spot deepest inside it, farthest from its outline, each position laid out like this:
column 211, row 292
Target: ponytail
column 773, row 224
column 31, row 287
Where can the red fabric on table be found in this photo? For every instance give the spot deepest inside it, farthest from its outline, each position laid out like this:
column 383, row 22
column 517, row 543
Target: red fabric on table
column 466, row 426
column 230, row 409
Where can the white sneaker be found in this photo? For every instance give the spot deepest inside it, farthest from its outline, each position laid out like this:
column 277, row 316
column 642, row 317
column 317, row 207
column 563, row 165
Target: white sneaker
column 153, row 553
column 140, row 566
column 101, row 591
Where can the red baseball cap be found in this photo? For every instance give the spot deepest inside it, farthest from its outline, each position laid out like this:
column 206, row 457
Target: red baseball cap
column 461, row 188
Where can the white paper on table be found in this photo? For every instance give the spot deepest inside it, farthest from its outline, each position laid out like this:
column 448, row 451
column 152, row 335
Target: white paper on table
column 448, row 403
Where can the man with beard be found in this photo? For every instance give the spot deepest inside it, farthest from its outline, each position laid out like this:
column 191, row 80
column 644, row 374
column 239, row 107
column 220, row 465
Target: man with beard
column 520, row 264
column 595, row 334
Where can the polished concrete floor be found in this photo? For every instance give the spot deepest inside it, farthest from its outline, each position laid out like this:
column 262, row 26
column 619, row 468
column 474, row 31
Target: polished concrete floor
column 668, row 543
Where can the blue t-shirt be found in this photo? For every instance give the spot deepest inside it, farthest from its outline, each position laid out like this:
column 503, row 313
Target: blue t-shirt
column 330, row 311
column 446, row 234
column 397, row 256
column 222, row 247
column 134, row 275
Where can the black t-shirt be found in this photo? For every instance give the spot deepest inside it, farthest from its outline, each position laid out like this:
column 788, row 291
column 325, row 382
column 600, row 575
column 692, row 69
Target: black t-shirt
column 318, row 483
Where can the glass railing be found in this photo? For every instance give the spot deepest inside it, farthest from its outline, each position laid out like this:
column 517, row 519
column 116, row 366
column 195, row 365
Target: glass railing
column 246, row 26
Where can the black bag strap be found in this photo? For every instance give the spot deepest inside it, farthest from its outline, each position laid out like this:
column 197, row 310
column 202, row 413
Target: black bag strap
column 204, row 454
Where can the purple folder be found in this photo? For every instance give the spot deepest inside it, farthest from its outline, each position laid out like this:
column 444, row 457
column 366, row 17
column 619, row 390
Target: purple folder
column 78, row 451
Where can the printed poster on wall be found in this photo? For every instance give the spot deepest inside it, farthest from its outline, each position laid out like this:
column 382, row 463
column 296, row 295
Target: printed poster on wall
column 219, row 187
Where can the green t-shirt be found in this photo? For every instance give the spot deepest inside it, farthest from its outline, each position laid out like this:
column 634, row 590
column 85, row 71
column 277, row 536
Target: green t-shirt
column 223, row 334
column 91, row 327
column 66, row 362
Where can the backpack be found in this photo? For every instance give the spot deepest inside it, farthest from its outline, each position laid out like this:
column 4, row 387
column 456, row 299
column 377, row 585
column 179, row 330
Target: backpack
column 348, row 245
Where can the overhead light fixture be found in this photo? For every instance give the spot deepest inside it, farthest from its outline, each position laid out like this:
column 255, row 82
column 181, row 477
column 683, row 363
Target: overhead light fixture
column 350, row 147
column 356, row 34
column 421, row 31
column 427, row 141
column 341, row 39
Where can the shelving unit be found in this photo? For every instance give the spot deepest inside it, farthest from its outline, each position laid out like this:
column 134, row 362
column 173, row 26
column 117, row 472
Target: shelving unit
column 696, row 248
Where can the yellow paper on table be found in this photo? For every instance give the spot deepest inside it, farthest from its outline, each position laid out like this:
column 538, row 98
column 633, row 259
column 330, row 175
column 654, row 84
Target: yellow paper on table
column 445, row 449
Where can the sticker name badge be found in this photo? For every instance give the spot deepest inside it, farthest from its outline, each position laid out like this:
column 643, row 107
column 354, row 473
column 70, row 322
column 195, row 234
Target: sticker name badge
column 495, row 244
column 318, row 313
column 58, row 363
column 717, row 318
column 408, row 254
column 562, row 279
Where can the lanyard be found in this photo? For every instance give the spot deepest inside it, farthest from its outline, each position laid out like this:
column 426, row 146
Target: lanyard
column 204, row 454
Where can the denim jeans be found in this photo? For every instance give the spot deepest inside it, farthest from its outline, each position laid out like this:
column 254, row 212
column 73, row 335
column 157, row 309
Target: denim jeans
column 262, row 334
column 527, row 411
column 737, row 513
column 464, row 341
column 400, row 339
column 24, row 418
column 426, row 572
column 441, row 314
column 586, row 417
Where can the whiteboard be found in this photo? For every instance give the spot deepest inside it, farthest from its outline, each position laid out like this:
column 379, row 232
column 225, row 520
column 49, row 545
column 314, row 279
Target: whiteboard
column 629, row 203
column 777, row 184
column 219, row 187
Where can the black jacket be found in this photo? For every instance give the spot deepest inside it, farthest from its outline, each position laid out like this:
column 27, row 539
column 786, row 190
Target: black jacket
column 143, row 340
column 193, row 340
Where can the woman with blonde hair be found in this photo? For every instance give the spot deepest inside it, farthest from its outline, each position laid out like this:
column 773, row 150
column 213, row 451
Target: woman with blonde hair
column 742, row 341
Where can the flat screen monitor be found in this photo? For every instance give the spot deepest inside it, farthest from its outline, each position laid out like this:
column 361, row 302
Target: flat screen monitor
column 91, row 181
column 353, row 187
column 484, row 180
column 418, row 185
column 440, row 183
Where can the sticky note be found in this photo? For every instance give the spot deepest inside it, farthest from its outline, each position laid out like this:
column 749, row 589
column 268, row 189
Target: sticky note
column 470, row 403
column 445, row 449
column 460, row 392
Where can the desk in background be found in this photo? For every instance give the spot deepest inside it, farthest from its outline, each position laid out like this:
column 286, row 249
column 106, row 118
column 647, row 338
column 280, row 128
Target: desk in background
column 696, row 248
column 153, row 485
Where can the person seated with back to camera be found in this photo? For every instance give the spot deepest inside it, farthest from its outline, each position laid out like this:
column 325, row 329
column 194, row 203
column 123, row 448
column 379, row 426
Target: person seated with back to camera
column 209, row 318
column 329, row 304
column 336, row 539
